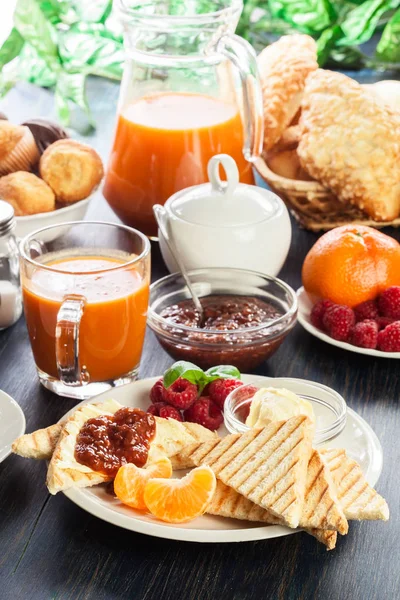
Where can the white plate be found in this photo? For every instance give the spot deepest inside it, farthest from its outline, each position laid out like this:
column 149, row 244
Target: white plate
column 12, row 423
column 31, row 223
column 303, row 317
column 357, row 437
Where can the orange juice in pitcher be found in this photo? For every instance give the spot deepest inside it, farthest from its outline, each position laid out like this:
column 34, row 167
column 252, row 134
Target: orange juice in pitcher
column 179, row 104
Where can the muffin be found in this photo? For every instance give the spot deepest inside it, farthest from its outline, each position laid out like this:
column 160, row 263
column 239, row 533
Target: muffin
column 45, row 132
column 26, row 193
column 18, row 151
column 72, row 170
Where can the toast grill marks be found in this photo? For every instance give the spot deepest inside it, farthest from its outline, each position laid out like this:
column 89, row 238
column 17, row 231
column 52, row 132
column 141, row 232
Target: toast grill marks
column 40, row 444
column 357, row 498
column 226, row 502
column 268, row 466
column 321, row 507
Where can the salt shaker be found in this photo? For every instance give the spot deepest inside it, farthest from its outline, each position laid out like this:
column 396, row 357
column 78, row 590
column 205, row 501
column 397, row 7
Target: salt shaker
column 10, row 287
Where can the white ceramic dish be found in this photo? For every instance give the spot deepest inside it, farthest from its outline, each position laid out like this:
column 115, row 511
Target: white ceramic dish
column 357, row 437
column 226, row 224
column 303, row 316
column 29, row 224
column 12, row 423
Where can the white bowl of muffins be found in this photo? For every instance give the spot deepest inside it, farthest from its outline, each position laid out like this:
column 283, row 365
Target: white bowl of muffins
column 47, row 177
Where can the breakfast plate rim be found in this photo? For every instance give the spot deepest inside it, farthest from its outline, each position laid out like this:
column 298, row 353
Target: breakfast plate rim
column 303, row 318
column 186, row 533
column 19, row 413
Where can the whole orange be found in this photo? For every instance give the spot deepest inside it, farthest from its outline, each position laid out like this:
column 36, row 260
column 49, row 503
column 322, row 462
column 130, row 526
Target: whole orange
column 351, row 264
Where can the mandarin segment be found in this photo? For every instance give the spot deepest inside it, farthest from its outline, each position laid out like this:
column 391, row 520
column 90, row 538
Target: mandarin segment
column 130, row 481
column 180, row 500
column 350, row 265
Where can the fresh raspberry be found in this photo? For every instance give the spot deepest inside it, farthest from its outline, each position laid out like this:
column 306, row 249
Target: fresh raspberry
column 156, row 392
column 154, row 409
column 389, row 302
column 205, row 412
column 170, row 412
column 366, row 310
column 389, row 338
column 220, row 388
column 318, row 311
column 338, row 320
column 383, row 322
column 364, row 334
column 180, row 394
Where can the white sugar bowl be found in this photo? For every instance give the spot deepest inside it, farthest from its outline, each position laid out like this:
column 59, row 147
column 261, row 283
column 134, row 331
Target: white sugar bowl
column 226, row 224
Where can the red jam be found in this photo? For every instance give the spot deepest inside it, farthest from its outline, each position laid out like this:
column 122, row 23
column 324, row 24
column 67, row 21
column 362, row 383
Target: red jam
column 226, row 337
column 106, row 443
column 223, row 313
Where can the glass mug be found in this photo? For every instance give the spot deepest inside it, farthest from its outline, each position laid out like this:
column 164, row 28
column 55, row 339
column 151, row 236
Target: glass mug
column 85, row 289
column 190, row 90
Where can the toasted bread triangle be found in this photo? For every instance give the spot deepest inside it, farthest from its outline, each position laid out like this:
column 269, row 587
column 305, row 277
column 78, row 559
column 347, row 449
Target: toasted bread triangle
column 268, row 466
column 40, row 444
column 65, row 472
column 226, row 502
column 321, row 506
column 358, row 499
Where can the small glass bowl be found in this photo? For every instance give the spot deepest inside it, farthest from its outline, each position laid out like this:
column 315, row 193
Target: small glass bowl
column 245, row 348
column 329, row 407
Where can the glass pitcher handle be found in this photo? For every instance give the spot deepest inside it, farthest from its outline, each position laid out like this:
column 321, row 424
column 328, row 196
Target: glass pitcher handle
column 67, row 341
column 243, row 57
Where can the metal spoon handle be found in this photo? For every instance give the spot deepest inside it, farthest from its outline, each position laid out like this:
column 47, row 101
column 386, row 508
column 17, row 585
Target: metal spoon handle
column 162, row 222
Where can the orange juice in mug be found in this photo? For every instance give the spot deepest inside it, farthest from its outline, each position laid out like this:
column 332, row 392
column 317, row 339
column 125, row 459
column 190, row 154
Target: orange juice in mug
column 85, row 289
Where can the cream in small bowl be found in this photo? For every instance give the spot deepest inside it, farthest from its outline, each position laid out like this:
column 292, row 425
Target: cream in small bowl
column 252, row 406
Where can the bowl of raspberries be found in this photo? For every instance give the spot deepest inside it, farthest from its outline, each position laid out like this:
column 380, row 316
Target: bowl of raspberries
column 187, row 393
column 372, row 327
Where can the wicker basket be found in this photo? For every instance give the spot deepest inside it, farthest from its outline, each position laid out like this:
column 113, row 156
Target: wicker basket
column 314, row 207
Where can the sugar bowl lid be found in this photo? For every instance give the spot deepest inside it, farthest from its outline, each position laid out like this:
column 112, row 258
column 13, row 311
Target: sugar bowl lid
column 224, row 203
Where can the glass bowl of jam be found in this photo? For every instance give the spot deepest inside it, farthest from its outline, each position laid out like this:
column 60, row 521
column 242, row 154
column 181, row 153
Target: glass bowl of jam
column 247, row 315
column 328, row 406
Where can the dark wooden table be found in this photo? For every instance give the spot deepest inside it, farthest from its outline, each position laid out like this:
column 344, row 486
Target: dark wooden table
column 50, row 548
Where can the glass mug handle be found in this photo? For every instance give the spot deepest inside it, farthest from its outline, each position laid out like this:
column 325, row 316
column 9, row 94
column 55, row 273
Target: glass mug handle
column 243, row 57
column 67, row 341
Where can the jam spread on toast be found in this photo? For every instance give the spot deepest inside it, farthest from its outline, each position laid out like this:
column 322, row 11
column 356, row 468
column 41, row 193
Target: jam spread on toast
column 106, row 443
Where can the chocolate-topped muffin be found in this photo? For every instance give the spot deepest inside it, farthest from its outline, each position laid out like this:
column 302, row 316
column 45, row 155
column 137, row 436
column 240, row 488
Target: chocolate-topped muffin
column 3, row 117
column 45, row 132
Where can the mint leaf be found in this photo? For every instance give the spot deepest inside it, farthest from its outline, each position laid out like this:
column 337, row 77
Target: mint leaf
column 91, row 52
column 93, row 10
column 186, row 370
column 222, row 372
column 309, row 16
column 71, row 87
column 361, row 22
column 33, row 26
column 194, row 374
column 11, row 47
column 388, row 48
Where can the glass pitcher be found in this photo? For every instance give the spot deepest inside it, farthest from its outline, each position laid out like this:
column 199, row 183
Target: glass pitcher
column 190, row 90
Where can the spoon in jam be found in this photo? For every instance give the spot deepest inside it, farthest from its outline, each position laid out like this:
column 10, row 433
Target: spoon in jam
column 162, row 222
